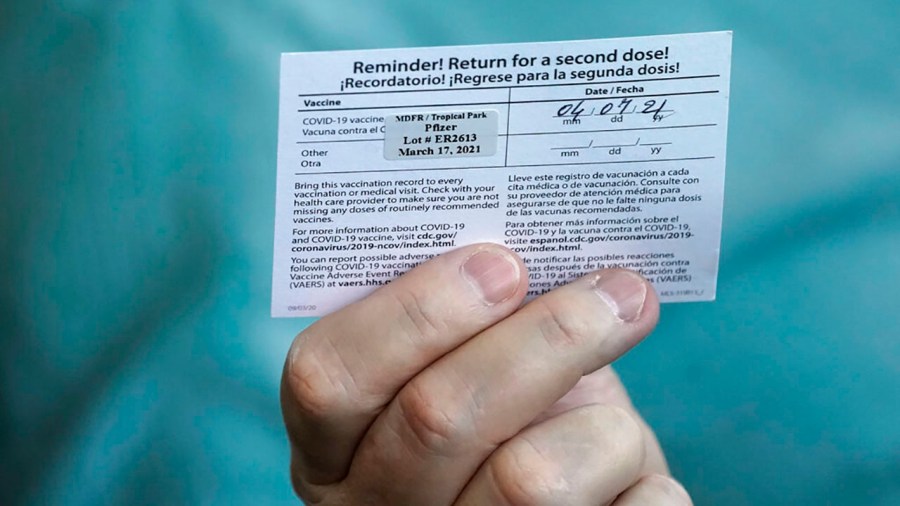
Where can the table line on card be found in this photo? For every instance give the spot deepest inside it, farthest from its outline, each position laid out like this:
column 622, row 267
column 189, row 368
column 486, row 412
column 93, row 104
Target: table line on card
column 375, row 139
column 506, row 146
column 483, row 167
column 583, row 83
column 511, row 102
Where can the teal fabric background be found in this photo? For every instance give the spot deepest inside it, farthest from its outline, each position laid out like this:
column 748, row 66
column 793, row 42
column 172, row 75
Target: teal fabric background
column 137, row 149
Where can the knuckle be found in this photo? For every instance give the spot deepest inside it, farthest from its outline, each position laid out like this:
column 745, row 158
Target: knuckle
column 561, row 325
column 317, row 392
column 420, row 319
column 297, row 485
column 438, row 425
column 622, row 435
column 666, row 490
column 523, row 477
column 300, row 487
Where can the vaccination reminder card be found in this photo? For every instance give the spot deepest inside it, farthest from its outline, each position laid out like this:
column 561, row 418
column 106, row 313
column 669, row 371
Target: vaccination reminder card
column 576, row 155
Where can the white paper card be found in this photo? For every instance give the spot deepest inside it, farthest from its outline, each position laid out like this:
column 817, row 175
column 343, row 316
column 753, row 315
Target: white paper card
column 577, row 155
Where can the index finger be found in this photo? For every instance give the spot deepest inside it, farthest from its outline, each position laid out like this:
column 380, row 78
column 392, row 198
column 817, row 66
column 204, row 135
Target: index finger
column 343, row 370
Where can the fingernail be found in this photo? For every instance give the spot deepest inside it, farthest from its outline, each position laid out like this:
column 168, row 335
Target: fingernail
column 494, row 274
column 623, row 291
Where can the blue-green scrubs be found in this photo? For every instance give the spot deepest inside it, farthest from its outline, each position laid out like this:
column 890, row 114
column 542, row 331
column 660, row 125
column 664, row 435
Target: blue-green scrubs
column 137, row 148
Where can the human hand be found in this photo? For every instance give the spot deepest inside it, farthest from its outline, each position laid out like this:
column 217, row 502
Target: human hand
column 439, row 389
